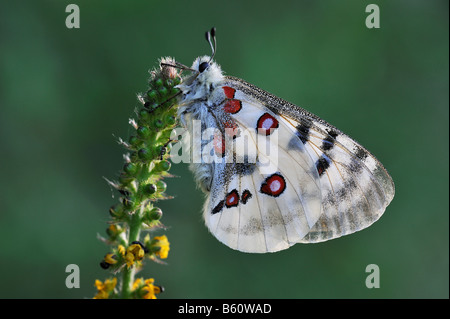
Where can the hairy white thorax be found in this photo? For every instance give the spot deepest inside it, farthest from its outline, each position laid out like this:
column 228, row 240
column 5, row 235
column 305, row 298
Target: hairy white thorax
column 200, row 84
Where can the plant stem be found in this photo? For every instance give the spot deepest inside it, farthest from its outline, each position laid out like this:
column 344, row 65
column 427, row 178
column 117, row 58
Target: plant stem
column 140, row 184
column 128, row 273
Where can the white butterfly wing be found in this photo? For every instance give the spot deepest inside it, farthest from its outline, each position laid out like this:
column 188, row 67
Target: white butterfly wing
column 259, row 222
column 330, row 185
column 248, row 208
column 356, row 188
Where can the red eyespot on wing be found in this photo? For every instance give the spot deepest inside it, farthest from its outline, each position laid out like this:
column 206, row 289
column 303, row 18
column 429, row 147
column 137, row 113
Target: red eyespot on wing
column 266, row 124
column 229, row 92
column 232, row 199
column 274, row 185
column 232, row 106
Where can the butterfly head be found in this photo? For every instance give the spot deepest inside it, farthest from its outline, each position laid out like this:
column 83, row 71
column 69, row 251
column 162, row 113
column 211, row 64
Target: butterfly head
column 206, row 73
column 206, row 70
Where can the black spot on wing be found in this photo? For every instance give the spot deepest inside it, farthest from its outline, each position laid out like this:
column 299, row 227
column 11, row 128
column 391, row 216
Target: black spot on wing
column 303, row 131
column 360, row 152
column 328, row 142
column 242, row 165
column 218, row 207
column 244, row 168
column 246, row 195
column 359, row 156
column 322, row 164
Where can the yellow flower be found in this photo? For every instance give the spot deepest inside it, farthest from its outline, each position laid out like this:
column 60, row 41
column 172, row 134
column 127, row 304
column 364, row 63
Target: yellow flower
column 137, row 283
column 150, row 290
column 146, row 289
column 134, row 253
column 105, row 289
column 162, row 246
column 110, row 259
column 121, row 250
column 113, row 230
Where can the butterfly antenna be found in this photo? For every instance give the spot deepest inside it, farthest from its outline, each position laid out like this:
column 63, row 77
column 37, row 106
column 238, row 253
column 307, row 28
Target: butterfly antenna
column 211, row 38
column 178, row 65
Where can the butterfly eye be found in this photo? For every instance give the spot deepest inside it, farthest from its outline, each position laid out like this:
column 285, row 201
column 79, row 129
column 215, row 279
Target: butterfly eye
column 202, row 67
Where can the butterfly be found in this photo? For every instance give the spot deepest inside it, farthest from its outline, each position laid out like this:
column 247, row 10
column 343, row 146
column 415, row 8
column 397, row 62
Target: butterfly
column 317, row 183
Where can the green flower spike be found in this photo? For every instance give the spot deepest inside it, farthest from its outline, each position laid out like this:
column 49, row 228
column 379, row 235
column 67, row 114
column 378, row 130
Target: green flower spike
column 140, row 185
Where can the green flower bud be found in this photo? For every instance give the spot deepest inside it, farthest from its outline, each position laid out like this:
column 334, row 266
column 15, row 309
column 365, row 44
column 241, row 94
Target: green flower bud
column 130, row 168
column 149, row 189
column 159, row 82
column 144, row 154
column 114, row 230
column 155, row 213
column 143, row 114
column 161, row 186
column 116, row 211
column 134, row 141
column 170, row 120
column 163, row 91
column 152, row 95
column 158, row 123
column 127, row 203
column 164, row 165
column 124, row 179
column 143, row 131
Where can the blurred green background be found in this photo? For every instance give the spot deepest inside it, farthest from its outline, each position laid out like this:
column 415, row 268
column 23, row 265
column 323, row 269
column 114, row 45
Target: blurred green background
column 66, row 96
